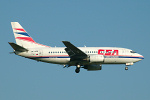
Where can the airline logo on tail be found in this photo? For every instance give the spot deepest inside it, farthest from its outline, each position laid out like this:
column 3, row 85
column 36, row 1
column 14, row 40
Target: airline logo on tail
column 23, row 38
column 20, row 29
column 22, row 35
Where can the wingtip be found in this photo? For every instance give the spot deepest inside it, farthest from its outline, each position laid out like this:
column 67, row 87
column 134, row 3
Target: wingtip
column 65, row 41
column 14, row 22
column 10, row 42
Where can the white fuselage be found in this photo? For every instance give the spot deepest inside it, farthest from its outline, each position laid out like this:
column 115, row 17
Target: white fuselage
column 58, row 55
column 90, row 58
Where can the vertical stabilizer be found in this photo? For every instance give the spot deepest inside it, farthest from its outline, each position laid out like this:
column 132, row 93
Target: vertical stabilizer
column 23, row 38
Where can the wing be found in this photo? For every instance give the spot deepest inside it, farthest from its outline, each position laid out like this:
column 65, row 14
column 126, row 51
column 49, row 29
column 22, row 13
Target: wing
column 74, row 52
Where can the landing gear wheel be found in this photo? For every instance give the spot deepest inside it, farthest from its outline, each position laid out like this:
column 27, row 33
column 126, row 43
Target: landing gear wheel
column 77, row 70
column 126, row 68
column 100, row 67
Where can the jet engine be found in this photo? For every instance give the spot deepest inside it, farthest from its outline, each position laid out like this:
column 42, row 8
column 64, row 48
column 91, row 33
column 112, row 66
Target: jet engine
column 96, row 58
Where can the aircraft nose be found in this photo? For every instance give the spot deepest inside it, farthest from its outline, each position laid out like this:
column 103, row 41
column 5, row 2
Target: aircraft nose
column 141, row 57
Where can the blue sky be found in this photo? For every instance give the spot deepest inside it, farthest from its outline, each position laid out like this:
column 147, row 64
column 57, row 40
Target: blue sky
column 114, row 23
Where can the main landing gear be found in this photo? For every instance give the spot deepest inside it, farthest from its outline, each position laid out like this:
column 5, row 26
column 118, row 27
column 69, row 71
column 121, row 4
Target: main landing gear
column 128, row 64
column 100, row 67
column 77, row 70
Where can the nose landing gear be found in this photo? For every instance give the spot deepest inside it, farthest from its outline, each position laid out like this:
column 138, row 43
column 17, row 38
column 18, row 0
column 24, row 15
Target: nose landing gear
column 128, row 64
column 126, row 68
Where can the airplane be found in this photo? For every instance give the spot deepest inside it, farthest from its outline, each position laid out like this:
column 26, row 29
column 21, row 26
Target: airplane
column 89, row 58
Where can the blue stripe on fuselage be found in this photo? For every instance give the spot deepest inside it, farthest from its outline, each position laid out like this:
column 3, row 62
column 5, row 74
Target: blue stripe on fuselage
column 123, row 57
column 104, row 57
column 131, row 57
column 49, row 57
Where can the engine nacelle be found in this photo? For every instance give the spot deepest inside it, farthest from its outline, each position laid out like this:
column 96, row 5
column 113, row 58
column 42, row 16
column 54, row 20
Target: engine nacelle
column 96, row 58
column 92, row 67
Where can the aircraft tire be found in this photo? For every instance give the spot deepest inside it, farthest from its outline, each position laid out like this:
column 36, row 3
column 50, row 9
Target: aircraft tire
column 126, row 68
column 77, row 70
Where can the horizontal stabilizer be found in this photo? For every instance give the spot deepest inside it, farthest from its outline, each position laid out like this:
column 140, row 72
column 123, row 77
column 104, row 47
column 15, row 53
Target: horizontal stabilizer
column 17, row 47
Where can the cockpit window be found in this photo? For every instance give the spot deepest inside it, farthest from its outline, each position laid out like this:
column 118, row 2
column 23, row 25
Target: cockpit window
column 132, row 51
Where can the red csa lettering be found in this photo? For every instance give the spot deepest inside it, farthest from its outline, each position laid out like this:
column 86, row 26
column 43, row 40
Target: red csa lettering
column 108, row 52
column 115, row 52
column 101, row 51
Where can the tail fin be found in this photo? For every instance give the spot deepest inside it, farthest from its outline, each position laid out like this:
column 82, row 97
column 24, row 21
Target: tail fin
column 23, row 38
